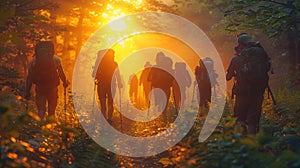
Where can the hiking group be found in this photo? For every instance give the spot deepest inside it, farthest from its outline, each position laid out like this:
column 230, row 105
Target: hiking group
column 249, row 69
column 172, row 82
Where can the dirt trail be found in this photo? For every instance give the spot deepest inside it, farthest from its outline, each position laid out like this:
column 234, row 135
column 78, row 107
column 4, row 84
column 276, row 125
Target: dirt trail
column 167, row 158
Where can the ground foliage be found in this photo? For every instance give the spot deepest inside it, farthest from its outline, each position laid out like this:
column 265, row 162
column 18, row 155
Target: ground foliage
column 28, row 142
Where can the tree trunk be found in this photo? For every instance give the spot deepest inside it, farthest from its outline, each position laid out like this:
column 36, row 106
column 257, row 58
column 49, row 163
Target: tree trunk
column 66, row 52
column 79, row 32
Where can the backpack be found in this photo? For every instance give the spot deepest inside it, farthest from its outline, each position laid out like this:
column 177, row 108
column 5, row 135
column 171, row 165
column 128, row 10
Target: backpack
column 182, row 73
column 254, row 67
column 201, row 74
column 106, row 68
column 44, row 71
column 212, row 75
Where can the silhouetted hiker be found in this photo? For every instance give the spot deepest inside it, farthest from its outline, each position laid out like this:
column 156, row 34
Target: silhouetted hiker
column 232, row 73
column 204, row 85
column 183, row 81
column 209, row 64
column 105, row 81
column 251, row 81
column 44, row 71
column 161, row 79
column 133, row 88
column 145, row 83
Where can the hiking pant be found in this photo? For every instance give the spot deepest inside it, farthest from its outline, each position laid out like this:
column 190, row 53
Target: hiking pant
column 104, row 93
column 46, row 96
column 205, row 94
column 248, row 108
column 146, row 91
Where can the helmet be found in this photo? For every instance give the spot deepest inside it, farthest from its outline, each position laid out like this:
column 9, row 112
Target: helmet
column 244, row 39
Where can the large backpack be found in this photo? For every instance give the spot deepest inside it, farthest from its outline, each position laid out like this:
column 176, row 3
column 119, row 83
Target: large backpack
column 201, row 74
column 254, row 67
column 106, row 67
column 182, row 73
column 212, row 75
column 44, row 72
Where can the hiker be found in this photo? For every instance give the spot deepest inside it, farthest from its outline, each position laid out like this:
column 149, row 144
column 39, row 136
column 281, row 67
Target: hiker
column 183, row 82
column 204, row 85
column 45, row 71
column 105, row 81
column 209, row 65
column 162, row 79
column 145, row 83
column 133, row 88
column 251, row 72
column 232, row 73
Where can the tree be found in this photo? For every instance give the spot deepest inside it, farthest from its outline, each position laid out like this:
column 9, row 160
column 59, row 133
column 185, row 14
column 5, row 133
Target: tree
column 22, row 23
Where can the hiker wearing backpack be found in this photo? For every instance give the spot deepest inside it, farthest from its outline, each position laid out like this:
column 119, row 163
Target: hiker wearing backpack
column 183, row 82
column 45, row 71
column 133, row 88
column 161, row 79
column 204, row 84
column 105, row 81
column 209, row 64
column 232, row 73
column 251, row 72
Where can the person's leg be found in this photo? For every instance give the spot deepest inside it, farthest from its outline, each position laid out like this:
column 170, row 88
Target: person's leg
column 52, row 101
column 110, row 107
column 202, row 95
column 147, row 88
column 208, row 96
column 102, row 99
column 235, row 111
column 242, row 105
column 40, row 101
column 254, row 114
column 236, row 106
column 168, row 113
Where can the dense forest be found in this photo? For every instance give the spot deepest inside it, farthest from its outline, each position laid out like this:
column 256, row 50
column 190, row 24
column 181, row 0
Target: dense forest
column 61, row 141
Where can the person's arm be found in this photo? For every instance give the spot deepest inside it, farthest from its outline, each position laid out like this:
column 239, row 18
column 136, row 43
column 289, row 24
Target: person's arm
column 61, row 73
column 230, row 71
column 29, row 80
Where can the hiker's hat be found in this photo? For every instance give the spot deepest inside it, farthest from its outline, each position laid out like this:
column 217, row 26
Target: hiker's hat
column 245, row 39
column 147, row 65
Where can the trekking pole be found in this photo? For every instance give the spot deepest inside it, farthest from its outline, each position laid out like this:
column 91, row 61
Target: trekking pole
column 175, row 103
column 65, row 103
column 121, row 117
column 149, row 102
column 272, row 96
column 94, row 94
